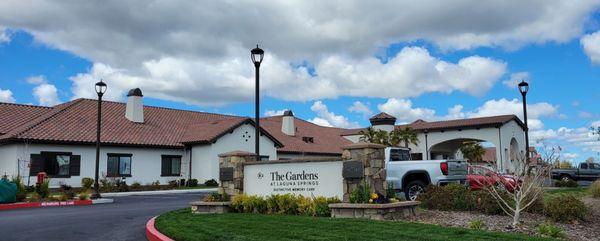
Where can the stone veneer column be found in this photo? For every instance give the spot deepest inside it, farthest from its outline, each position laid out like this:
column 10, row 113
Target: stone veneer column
column 372, row 157
column 231, row 171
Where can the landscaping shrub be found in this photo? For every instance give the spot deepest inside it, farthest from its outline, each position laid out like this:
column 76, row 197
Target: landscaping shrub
column 595, row 189
column 486, row 203
column 390, row 191
column 216, row 197
column 136, row 186
column 283, row 204
column 361, row 194
column 34, row 197
column 476, row 224
column 211, row 183
column 87, row 183
column 107, row 185
column 173, row 184
column 84, row 195
column 21, row 189
column 44, row 188
column 192, row 182
column 546, row 229
column 569, row 183
column 155, row 185
column 565, row 208
column 450, row 197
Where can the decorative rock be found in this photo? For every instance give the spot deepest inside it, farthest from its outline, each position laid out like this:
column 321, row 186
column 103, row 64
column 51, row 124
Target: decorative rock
column 388, row 211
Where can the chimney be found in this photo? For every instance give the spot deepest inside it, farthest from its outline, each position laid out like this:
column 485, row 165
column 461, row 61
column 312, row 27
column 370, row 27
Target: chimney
column 287, row 124
column 135, row 109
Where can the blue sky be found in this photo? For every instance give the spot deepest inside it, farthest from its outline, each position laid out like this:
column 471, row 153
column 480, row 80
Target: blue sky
column 47, row 61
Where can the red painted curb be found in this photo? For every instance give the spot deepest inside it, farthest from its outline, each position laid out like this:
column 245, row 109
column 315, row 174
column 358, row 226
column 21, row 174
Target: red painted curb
column 11, row 206
column 152, row 234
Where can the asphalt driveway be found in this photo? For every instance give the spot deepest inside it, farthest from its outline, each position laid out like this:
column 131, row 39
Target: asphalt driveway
column 122, row 220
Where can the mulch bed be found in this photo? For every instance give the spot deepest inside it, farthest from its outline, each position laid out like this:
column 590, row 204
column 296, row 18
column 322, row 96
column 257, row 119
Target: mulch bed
column 585, row 230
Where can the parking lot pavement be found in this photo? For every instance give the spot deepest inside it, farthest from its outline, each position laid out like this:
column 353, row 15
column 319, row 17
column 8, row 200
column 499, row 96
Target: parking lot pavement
column 122, row 220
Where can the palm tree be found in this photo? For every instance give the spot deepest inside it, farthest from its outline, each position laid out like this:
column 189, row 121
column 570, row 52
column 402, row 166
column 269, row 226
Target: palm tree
column 406, row 135
column 472, row 150
column 375, row 136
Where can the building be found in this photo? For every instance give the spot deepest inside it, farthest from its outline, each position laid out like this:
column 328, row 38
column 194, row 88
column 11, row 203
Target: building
column 146, row 144
column 442, row 139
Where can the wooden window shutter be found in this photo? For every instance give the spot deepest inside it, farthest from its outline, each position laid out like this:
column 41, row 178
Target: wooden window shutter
column 36, row 164
column 75, row 166
column 165, row 166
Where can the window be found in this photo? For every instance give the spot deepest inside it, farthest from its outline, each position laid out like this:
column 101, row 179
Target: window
column 118, row 165
column 399, row 155
column 583, row 166
column 55, row 164
column 594, row 166
column 171, row 165
column 416, row 156
column 263, row 158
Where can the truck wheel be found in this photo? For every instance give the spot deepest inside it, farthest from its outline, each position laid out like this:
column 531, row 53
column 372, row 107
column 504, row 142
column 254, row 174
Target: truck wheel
column 565, row 178
column 413, row 189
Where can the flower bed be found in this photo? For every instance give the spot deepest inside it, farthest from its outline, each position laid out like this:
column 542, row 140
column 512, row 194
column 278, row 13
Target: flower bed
column 386, row 211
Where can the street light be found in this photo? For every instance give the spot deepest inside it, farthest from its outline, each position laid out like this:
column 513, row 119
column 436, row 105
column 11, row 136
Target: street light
column 100, row 90
column 257, row 57
column 524, row 88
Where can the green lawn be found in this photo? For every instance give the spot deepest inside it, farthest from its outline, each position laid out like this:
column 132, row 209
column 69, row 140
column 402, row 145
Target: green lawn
column 182, row 225
column 578, row 192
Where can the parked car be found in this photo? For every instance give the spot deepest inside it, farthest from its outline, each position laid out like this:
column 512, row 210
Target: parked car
column 480, row 177
column 413, row 176
column 584, row 172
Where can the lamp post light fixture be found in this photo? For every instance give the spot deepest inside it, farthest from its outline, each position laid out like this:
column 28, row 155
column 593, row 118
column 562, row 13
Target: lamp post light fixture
column 100, row 90
column 524, row 88
column 257, row 55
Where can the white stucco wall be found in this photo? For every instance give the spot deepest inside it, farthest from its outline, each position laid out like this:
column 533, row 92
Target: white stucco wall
column 8, row 160
column 500, row 137
column 145, row 162
column 289, row 156
column 205, row 163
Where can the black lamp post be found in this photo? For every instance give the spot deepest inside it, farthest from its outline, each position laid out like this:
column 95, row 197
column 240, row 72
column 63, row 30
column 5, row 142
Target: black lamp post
column 100, row 90
column 523, row 88
column 257, row 57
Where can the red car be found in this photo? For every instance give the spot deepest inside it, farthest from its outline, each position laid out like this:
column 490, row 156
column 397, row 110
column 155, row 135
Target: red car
column 481, row 176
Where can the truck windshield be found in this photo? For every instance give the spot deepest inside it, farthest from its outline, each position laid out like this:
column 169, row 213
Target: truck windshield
column 399, row 155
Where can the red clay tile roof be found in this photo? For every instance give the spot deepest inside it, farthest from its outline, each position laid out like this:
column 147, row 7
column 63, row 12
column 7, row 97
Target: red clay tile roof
column 382, row 115
column 326, row 140
column 421, row 125
column 74, row 122
column 13, row 115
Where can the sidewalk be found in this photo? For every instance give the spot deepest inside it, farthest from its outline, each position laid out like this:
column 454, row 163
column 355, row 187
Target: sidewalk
column 161, row 192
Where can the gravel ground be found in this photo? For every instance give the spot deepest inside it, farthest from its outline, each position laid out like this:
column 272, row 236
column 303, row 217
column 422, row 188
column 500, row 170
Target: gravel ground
column 586, row 230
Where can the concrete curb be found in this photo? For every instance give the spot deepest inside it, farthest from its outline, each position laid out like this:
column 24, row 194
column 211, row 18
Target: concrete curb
column 102, row 201
column 161, row 192
column 152, row 234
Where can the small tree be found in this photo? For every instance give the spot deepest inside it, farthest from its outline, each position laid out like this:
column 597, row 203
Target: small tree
column 528, row 188
column 472, row 150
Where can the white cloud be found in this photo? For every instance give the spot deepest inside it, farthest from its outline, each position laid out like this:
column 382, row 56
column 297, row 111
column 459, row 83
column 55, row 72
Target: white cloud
column 585, row 115
column 516, row 78
column 326, row 118
column 6, row 96
column 4, row 36
column 37, row 79
column 179, row 51
column 360, row 108
column 591, row 46
column 567, row 138
column 403, row 110
column 274, row 112
column 46, row 94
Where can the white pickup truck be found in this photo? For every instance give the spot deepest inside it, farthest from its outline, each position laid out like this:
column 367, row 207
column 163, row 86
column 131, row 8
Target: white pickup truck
column 413, row 176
